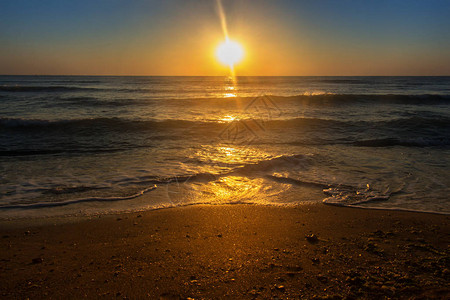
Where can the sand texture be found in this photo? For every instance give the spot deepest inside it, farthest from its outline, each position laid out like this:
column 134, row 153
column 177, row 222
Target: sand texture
column 230, row 251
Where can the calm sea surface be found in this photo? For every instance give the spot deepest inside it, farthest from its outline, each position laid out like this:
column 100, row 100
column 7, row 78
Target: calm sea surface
column 74, row 145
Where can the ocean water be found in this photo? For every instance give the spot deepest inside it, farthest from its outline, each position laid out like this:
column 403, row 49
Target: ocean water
column 72, row 145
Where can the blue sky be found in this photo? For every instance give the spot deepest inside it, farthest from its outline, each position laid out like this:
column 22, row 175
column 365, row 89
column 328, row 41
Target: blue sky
column 174, row 37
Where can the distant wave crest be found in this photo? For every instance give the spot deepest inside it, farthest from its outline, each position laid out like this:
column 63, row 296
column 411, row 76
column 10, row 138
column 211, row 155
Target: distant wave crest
column 331, row 99
column 52, row 88
column 417, row 142
column 409, row 132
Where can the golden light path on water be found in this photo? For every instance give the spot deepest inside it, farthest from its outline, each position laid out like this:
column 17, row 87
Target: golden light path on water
column 230, row 188
column 223, row 156
column 235, row 181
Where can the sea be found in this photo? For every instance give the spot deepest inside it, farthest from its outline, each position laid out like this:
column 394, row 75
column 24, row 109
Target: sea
column 94, row 145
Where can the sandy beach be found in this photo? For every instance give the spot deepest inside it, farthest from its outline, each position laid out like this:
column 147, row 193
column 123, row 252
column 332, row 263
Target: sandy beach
column 225, row 149
column 229, row 251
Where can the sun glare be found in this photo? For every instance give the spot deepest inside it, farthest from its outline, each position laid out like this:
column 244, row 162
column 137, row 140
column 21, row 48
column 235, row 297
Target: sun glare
column 229, row 53
column 228, row 118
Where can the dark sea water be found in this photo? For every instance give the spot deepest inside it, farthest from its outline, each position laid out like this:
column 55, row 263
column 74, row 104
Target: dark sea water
column 74, row 145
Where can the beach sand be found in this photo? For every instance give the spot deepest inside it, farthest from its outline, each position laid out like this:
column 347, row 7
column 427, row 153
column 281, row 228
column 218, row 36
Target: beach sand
column 229, row 251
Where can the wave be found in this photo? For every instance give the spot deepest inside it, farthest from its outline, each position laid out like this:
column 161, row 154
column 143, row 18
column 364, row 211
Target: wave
column 79, row 124
column 73, row 81
column 46, row 88
column 412, row 131
column 325, row 98
column 175, row 93
column 298, row 161
column 417, row 142
column 86, row 102
column 74, row 201
column 69, row 88
column 260, row 169
column 70, row 189
column 33, row 152
column 410, row 122
column 292, row 181
column 345, row 195
column 331, row 99
column 336, row 193
column 351, row 81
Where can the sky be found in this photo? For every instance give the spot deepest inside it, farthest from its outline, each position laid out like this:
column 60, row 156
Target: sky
column 179, row 37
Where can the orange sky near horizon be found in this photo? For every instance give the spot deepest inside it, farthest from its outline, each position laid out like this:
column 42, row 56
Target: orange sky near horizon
column 180, row 39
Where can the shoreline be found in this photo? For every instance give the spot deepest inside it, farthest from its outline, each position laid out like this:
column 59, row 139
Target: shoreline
column 240, row 250
column 21, row 222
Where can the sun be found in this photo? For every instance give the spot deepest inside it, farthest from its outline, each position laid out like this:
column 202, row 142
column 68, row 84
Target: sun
column 229, row 53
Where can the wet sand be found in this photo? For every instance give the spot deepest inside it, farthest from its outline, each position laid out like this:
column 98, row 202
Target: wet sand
column 230, row 251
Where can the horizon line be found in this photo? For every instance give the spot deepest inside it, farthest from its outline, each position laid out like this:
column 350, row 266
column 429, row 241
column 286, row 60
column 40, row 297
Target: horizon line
column 109, row 75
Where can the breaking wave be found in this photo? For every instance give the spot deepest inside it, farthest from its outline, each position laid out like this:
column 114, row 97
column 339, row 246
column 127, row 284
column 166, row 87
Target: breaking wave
column 412, row 123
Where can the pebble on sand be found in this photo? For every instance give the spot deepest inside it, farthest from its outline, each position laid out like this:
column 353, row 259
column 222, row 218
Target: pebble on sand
column 312, row 238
